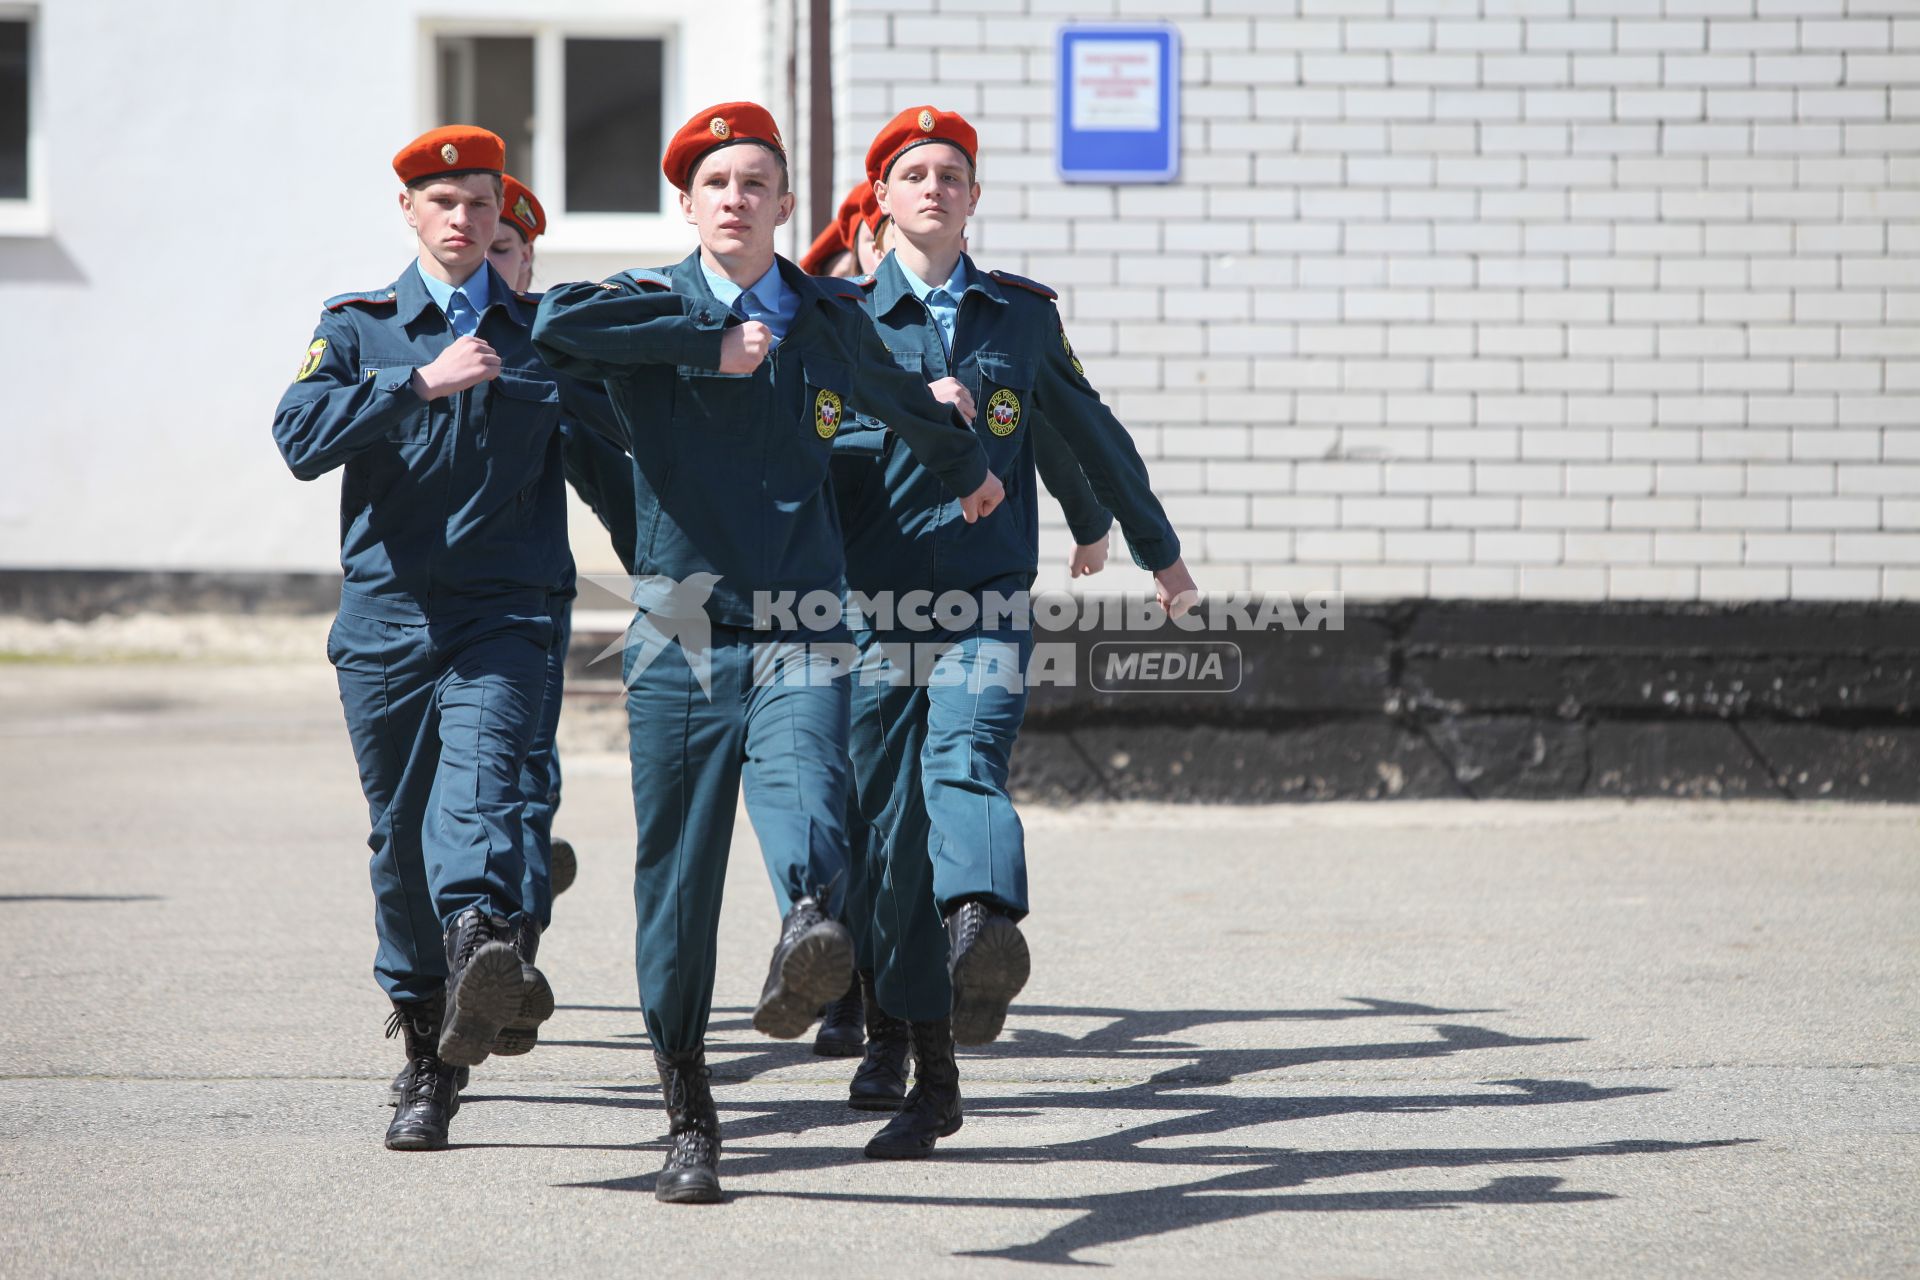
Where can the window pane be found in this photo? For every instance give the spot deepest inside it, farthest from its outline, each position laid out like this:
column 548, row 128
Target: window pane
column 488, row 81
column 13, row 110
column 613, row 126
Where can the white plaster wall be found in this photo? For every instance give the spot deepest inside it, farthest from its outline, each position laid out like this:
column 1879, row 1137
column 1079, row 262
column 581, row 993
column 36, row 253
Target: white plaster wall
column 215, row 171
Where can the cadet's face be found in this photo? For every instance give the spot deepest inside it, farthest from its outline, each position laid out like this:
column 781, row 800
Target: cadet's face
column 865, row 254
column 736, row 201
column 455, row 218
column 512, row 257
column 930, row 192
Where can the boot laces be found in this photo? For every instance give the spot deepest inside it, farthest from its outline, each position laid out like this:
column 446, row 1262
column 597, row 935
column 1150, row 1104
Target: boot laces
column 471, row 937
column 426, row 1070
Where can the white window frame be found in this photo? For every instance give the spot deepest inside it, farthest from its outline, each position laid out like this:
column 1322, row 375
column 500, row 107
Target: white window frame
column 567, row 232
column 31, row 216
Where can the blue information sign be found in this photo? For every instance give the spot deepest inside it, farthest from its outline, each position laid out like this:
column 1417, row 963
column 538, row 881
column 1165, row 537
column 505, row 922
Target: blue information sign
column 1119, row 108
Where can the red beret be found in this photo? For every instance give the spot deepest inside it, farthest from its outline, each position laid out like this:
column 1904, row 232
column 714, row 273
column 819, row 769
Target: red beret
column 841, row 235
column 717, row 127
column 520, row 210
column 914, row 126
column 449, row 150
column 860, row 206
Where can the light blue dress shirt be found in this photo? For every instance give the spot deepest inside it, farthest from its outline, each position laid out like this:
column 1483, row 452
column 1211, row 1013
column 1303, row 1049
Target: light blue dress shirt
column 943, row 301
column 768, row 299
column 475, row 291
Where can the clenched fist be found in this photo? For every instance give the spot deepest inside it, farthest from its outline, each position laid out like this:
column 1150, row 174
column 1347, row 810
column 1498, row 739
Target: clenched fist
column 1175, row 589
column 744, row 346
column 468, row 362
column 983, row 500
column 1087, row 558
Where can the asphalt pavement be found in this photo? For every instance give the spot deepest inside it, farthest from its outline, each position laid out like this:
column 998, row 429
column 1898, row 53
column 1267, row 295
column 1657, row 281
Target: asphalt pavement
column 1420, row 1039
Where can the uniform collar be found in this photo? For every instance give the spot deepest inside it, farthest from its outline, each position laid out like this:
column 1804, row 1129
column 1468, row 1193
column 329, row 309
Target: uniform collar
column 892, row 282
column 475, row 286
column 769, row 288
column 414, row 293
column 955, row 284
column 690, row 277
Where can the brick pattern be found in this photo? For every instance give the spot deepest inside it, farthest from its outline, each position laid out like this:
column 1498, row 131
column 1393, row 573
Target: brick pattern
column 1573, row 299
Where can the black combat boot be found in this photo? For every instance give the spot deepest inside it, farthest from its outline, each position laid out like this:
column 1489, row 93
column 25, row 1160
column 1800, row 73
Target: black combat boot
column 880, row 1081
column 843, row 1030
column 484, row 986
column 988, row 959
column 522, row 1032
column 431, row 1097
column 691, row 1174
column 932, row 1110
column 812, row 964
column 564, row 866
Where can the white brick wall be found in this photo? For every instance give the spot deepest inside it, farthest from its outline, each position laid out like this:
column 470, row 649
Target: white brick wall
column 1556, row 299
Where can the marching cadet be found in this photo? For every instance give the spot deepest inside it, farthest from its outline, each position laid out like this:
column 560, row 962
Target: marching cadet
column 429, row 396
column 598, row 472
column 602, row 477
column 930, row 756
column 855, row 1025
column 730, row 373
column 845, row 246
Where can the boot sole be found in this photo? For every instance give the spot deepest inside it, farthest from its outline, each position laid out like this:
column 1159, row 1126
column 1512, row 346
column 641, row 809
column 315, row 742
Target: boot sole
column 701, row 1191
column 416, row 1142
column 874, row 1102
column 986, row 979
column 486, row 998
column 536, row 1006
column 840, row 1048
column 817, row 970
column 876, row 1150
column 565, row 867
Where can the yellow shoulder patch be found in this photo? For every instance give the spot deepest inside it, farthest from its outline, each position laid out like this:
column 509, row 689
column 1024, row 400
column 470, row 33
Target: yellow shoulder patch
column 312, row 362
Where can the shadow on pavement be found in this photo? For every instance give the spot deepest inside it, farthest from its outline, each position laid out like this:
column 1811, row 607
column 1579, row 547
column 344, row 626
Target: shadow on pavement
column 1185, row 1126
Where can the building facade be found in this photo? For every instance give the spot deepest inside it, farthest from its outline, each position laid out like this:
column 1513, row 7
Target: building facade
column 1581, row 300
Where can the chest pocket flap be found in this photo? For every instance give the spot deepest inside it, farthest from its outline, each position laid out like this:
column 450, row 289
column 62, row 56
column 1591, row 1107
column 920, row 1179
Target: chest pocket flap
column 527, row 390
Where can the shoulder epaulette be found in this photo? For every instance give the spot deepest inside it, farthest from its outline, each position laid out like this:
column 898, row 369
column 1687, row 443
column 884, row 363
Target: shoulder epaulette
column 867, row 282
column 1007, row 277
column 851, row 295
column 371, row 298
column 532, row 299
column 649, row 279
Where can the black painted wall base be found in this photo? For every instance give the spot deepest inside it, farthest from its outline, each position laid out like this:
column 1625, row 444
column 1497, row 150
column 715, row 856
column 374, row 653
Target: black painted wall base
column 1482, row 758
column 1484, row 701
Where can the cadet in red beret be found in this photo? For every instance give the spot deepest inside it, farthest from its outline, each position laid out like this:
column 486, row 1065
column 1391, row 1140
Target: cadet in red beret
column 845, row 246
column 451, row 556
column 598, row 473
column 947, row 856
column 730, row 479
column 521, row 222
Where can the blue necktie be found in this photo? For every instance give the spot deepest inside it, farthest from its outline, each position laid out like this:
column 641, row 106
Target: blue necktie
column 460, row 314
column 944, row 310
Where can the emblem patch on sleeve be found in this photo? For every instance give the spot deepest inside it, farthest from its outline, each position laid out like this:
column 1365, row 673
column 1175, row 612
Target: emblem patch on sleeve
column 826, row 414
column 312, row 362
column 1068, row 348
column 1003, row 412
